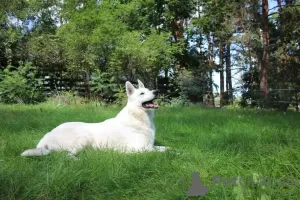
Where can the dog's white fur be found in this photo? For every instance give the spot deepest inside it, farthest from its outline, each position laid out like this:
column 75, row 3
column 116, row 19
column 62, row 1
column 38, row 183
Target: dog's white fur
column 132, row 130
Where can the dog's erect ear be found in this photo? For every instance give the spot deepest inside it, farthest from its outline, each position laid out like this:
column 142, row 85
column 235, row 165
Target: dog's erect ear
column 129, row 88
column 141, row 85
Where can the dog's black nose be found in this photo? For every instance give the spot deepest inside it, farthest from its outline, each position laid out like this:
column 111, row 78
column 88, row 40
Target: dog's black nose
column 155, row 92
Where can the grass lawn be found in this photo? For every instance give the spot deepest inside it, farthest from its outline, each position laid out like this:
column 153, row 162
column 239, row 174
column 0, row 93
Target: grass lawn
column 230, row 144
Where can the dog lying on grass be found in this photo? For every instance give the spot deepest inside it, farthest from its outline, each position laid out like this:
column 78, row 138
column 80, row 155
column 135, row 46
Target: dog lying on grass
column 132, row 130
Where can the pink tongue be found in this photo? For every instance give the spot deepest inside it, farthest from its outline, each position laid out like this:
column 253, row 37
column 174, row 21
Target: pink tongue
column 152, row 105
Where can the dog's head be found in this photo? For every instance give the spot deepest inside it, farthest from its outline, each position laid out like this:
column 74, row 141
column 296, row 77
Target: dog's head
column 140, row 97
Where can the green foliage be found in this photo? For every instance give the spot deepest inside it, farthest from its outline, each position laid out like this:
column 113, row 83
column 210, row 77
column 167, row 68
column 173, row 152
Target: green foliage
column 180, row 9
column 47, row 52
column 20, row 85
column 137, row 54
column 66, row 98
column 121, row 96
column 144, row 38
column 17, row 8
column 236, row 104
column 178, row 102
column 279, row 99
column 191, row 85
column 103, row 86
column 89, row 36
column 140, row 14
column 250, row 88
column 162, row 99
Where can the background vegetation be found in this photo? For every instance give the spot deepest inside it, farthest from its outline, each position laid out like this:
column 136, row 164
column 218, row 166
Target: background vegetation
column 92, row 47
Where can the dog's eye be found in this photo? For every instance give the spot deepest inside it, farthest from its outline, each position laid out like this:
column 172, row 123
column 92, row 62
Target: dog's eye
column 142, row 93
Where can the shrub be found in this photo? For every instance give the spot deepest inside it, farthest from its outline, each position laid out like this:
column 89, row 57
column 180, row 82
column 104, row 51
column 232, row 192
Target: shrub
column 163, row 100
column 121, row 97
column 191, row 85
column 66, row 98
column 103, row 86
column 235, row 104
column 178, row 102
column 20, row 85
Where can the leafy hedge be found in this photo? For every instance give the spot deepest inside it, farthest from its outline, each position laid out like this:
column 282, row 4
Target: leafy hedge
column 20, row 85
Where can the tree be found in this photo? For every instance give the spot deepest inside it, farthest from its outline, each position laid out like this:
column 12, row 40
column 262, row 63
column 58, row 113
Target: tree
column 89, row 36
column 264, row 87
column 159, row 40
column 139, row 55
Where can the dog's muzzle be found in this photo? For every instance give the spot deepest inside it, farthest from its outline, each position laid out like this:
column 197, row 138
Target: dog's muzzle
column 149, row 105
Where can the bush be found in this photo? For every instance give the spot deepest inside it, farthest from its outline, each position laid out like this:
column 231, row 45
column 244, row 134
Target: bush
column 191, row 85
column 103, row 86
column 163, row 100
column 20, row 85
column 121, row 96
column 66, row 98
column 236, row 104
column 178, row 102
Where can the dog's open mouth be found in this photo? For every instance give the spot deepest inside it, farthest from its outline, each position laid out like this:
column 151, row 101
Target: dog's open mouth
column 149, row 104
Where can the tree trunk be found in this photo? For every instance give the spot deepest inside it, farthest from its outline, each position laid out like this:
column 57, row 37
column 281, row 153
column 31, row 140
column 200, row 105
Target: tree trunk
column 251, row 70
column 178, row 29
column 221, row 74
column 282, row 38
column 209, row 94
column 264, row 87
column 178, row 33
column 228, row 71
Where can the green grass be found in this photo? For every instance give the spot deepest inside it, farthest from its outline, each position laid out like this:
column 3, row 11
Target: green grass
column 213, row 142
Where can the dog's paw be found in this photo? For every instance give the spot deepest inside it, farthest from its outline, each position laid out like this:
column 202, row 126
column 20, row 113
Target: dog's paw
column 72, row 156
column 161, row 148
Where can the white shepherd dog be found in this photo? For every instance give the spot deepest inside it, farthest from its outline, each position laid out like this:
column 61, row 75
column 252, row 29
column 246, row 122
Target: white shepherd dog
column 132, row 130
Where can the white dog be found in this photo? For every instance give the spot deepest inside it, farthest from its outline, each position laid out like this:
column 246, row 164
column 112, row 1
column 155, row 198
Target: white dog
column 132, row 130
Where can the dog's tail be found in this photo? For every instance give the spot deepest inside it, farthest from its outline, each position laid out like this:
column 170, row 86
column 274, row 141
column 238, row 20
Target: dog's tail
column 36, row 152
